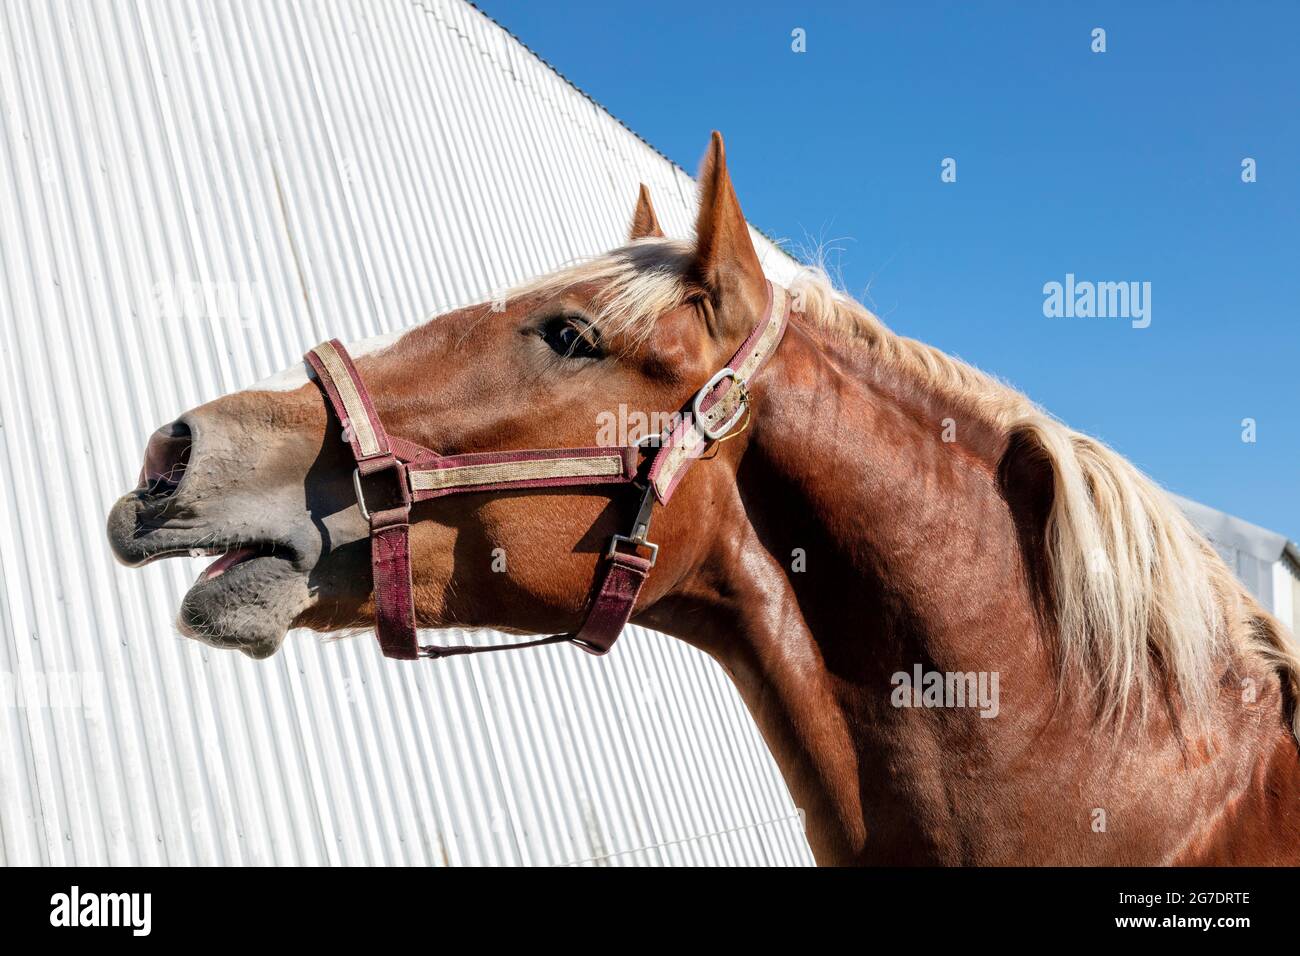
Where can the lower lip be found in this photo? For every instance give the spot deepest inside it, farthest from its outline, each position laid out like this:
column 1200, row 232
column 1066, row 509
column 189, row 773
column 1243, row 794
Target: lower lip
column 228, row 561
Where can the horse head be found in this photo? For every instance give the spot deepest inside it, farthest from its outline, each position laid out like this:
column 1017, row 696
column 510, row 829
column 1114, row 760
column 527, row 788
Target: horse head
column 263, row 479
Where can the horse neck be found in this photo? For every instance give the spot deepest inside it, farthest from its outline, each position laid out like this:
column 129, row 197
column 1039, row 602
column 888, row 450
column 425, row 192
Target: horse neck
column 858, row 544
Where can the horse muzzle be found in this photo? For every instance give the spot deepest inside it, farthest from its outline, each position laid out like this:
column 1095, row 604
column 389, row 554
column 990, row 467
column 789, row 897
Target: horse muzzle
column 192, row 502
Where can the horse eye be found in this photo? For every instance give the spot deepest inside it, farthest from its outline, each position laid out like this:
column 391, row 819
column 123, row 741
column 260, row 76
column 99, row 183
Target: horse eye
column 571, row 337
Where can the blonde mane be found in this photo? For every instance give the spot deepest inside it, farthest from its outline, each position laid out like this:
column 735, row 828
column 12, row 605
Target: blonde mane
column 1139, row 600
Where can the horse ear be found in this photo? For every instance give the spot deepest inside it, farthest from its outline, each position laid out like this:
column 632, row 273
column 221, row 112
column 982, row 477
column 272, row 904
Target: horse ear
column 726, row 264
column 645, row 224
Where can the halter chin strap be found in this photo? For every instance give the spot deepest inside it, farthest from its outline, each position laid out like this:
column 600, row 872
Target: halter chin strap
column 392, row 474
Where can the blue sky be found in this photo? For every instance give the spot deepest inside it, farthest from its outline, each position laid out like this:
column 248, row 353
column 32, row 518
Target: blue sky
column 1115, row 166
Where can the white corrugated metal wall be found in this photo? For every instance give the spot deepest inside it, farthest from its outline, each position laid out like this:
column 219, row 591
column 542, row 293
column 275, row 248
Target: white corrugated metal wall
column 1265, row 561
column 191, row 192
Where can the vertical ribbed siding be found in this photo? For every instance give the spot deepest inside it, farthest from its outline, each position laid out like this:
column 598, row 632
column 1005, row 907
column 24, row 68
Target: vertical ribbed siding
column 347, row 168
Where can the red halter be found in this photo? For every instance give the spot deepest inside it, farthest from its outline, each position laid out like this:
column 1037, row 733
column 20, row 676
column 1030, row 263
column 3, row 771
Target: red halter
column 413, row 473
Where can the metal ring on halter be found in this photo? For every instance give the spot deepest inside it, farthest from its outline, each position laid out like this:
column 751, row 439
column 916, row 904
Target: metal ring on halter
column 361, row 497
column 714, row 432
column 403, row 490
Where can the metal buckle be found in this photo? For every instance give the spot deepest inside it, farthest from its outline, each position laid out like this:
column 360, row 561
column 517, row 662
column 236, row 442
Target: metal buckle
column 717, row 431
column 634, row 541
column 640, row 528
column 391, row 464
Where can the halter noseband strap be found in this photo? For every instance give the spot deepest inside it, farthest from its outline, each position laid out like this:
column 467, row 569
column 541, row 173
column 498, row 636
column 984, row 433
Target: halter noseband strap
column 392, row 474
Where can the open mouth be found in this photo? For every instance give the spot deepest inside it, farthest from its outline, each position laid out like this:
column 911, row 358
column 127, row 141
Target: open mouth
column 226, row 562
column 230, row 558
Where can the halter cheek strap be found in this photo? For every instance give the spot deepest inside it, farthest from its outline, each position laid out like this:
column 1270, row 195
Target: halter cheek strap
column 392, row 474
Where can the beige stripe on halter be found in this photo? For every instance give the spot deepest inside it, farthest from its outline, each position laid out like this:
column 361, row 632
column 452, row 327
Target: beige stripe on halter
column 358, row 419
column 434, row 479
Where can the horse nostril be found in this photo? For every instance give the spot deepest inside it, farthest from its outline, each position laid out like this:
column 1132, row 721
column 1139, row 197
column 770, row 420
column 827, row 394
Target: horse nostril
column 166, row 459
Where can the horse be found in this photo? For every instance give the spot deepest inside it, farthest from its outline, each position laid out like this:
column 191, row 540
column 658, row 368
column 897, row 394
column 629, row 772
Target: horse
column 884, row 525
